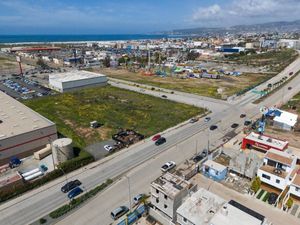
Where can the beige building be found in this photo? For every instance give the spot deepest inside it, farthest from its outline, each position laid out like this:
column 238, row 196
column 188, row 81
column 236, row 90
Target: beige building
column 22, row 130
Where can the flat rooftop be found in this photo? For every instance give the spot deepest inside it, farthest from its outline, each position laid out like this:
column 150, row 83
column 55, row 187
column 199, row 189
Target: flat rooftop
column 74, row 75
column 272, row 170
column 266, row 140
column 214, row 165
column 170, row 184
column 17, row 118
column 201, row 206
column 282, row 157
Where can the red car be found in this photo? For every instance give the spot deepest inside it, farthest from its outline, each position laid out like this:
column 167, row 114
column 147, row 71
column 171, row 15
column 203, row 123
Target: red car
column 156, row 137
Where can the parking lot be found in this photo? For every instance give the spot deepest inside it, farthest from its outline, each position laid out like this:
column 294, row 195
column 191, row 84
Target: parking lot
column 97, row 150
column 23, row 88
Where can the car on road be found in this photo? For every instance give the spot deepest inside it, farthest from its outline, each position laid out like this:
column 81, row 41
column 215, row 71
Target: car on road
column 247, row 122
column 70, row 185
column 213, row 127
column 193, row 120
column 272, row 198
column 108, row 148
column 207, row 119
column 164, row 96
column 160, row 141
column 291, row 73
column 118, row 212
column 289, row 88
column 137, row 199
column 156, row 137
column 168, row 166
column 242, row 115
column 76, row 191
column 234, row 125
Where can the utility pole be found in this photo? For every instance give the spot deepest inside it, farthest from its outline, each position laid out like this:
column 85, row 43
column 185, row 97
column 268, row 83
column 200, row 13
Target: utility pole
column 129, row 192
column 18, row 58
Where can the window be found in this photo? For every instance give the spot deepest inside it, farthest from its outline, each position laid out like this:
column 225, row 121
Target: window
column 277, row 181
column 165, row 206
column 266, row 176
column 166, row 197
column 157, row 200
column 297, row 189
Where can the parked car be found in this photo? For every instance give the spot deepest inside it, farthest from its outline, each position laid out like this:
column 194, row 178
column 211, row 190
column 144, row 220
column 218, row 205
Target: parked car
column 213, row 127
column 76, row 191
column 207, row 119
column 160, row 141
column 156, row 137
column 289, row 88
column 193, row 120
column 108, row 148
column 164, row 96
column 199, row 157
column 168, row 166
column 242, row 115
column 137, row 199
column 291, row 73
column 234, row 125
column 272, row 198
column 118, row 212
column 70, row 185
column 247, row 122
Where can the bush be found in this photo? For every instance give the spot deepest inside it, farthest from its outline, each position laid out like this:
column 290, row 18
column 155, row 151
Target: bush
column 77, row 201
column 289, row 202
column 42, row 221
column 256, row 183
column 266, row 197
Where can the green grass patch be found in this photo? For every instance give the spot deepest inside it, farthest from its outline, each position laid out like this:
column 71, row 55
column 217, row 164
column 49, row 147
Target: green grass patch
column 115, row 108
column 77, row 201
column 260, row 194
column 266, row 197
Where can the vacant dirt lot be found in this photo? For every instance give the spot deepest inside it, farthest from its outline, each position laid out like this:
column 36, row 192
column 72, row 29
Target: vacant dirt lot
column 227, row 85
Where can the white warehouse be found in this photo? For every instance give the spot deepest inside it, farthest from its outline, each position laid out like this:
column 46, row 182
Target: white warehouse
column 63, row 82
column 22, row 130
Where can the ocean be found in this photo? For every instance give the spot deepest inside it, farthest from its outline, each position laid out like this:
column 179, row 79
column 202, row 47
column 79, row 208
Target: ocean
column 75, row 38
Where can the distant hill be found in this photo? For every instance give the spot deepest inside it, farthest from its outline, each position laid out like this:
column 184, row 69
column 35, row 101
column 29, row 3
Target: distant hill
column 282, row 26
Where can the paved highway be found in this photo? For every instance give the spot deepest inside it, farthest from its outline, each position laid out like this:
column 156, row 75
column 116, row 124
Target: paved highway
column 142, row 161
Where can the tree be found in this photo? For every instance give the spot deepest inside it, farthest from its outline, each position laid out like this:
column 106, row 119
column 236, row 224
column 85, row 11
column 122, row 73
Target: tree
column 289, row 202
column 256, row 183
column 192, row 55
column 106, row 61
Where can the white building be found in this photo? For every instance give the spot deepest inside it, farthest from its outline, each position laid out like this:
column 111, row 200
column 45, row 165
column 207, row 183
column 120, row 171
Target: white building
column 289, row 43
column 76, row 79
column 285, row 120
column 206, row 208
column 277, row 168
column 295, row 184
column 167, row 193
column 22, row 130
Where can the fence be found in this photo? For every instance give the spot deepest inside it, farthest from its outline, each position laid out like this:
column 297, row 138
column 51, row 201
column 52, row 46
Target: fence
column 134, row 216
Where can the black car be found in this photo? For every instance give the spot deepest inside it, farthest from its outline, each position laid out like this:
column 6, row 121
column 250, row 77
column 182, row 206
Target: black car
column 164, row 96
column 272, row 198
column 160, row 141
column 247, row 122
column 199, row 157
column 234, row 125
column 213, row 127
column 70, row 185
column 242, row 115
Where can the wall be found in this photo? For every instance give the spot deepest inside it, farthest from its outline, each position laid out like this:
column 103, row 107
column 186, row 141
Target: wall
column 293, row 191
column 272, row 181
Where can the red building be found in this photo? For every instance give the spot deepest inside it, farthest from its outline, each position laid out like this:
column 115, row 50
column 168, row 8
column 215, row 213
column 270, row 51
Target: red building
column 263, row 142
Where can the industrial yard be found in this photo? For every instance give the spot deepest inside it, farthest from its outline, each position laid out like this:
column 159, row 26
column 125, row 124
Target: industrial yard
column 114, row 108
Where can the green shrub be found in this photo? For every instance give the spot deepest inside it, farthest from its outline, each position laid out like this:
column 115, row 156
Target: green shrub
column 77, row 201
column 266, row 197
column 256, row 183
column 289, row 202
column 260, row 194
column 42, row 221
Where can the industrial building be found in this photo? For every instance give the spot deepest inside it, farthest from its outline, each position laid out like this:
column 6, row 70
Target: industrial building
column 72, row 80
column 22, row 130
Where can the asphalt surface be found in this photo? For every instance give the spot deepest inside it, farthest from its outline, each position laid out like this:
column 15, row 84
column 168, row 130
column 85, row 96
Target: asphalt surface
column 141, row 163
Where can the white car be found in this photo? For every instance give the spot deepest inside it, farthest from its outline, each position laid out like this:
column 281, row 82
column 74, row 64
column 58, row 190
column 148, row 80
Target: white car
column 168, row 166
column 108, row 148
column 207, row 119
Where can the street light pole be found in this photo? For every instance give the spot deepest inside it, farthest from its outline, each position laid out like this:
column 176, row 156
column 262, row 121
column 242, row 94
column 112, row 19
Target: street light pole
column 129, row 192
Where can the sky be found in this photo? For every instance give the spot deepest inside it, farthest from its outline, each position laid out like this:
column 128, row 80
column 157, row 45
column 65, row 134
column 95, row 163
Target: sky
column 137, row 16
